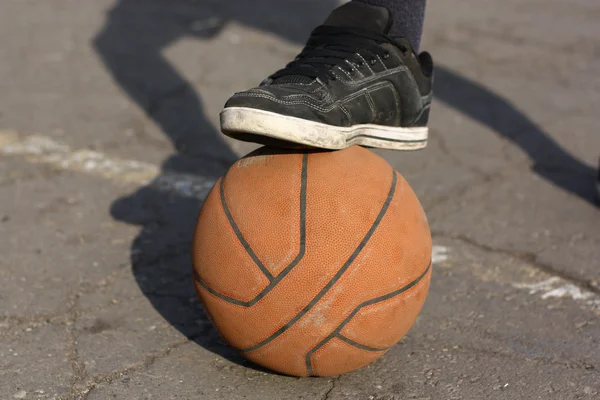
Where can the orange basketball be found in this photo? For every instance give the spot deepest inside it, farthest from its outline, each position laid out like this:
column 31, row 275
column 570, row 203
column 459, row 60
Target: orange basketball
column 312, row 263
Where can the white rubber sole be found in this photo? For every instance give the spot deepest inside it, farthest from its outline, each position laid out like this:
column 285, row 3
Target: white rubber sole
column 249, row 123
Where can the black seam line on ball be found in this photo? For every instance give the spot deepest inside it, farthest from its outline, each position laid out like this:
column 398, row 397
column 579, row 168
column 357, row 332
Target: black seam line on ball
column 273, row 281
column 239, row 235
column 338, row 274
column 356, row 310
column 358, row 345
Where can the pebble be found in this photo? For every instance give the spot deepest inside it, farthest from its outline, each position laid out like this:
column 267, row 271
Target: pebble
column 20, row 394
column 588, row 390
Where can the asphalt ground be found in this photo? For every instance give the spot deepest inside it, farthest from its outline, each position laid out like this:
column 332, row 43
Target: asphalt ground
column 109, row 142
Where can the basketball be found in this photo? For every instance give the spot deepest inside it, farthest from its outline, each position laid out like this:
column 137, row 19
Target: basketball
column 312, row 263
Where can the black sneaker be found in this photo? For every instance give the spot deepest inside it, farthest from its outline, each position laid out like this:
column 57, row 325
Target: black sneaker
column 352, row 84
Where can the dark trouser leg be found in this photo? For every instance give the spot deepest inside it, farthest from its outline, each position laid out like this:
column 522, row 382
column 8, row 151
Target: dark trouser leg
column 407, row 16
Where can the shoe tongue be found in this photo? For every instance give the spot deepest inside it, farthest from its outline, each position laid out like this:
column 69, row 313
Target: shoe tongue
column 356, row 14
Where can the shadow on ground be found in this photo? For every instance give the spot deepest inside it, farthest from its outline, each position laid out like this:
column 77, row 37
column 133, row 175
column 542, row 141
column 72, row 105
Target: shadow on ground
column 131, row 44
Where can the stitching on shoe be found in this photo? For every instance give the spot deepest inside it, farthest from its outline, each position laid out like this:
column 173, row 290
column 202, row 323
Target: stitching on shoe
column 352, row 96
column 288, row 103
column 371, row 103
column 346, row 112
column 355, row 68
column 390, row 86
column 254, row 90
column 382, row 63
column 377, row 76
column 345, row 72
column 291, row 97
column 295, row 83
column 366, row 63
column 339, row 78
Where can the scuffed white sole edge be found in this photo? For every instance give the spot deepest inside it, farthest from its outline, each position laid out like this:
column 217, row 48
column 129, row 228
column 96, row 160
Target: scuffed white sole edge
column 237, row 121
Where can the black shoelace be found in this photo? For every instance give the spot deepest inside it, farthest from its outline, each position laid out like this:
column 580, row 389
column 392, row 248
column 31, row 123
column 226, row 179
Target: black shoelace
column 331, row 46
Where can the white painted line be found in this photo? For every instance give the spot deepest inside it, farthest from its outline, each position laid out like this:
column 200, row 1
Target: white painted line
column 538, row 287
column 556, row 287
column 570, row 291
column 439, row 254
column 43, row 150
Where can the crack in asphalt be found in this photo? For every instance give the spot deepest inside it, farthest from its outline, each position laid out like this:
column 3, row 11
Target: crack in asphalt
column 77, row 366
column 528, row 257
column 333, row 381
column 97, row 381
